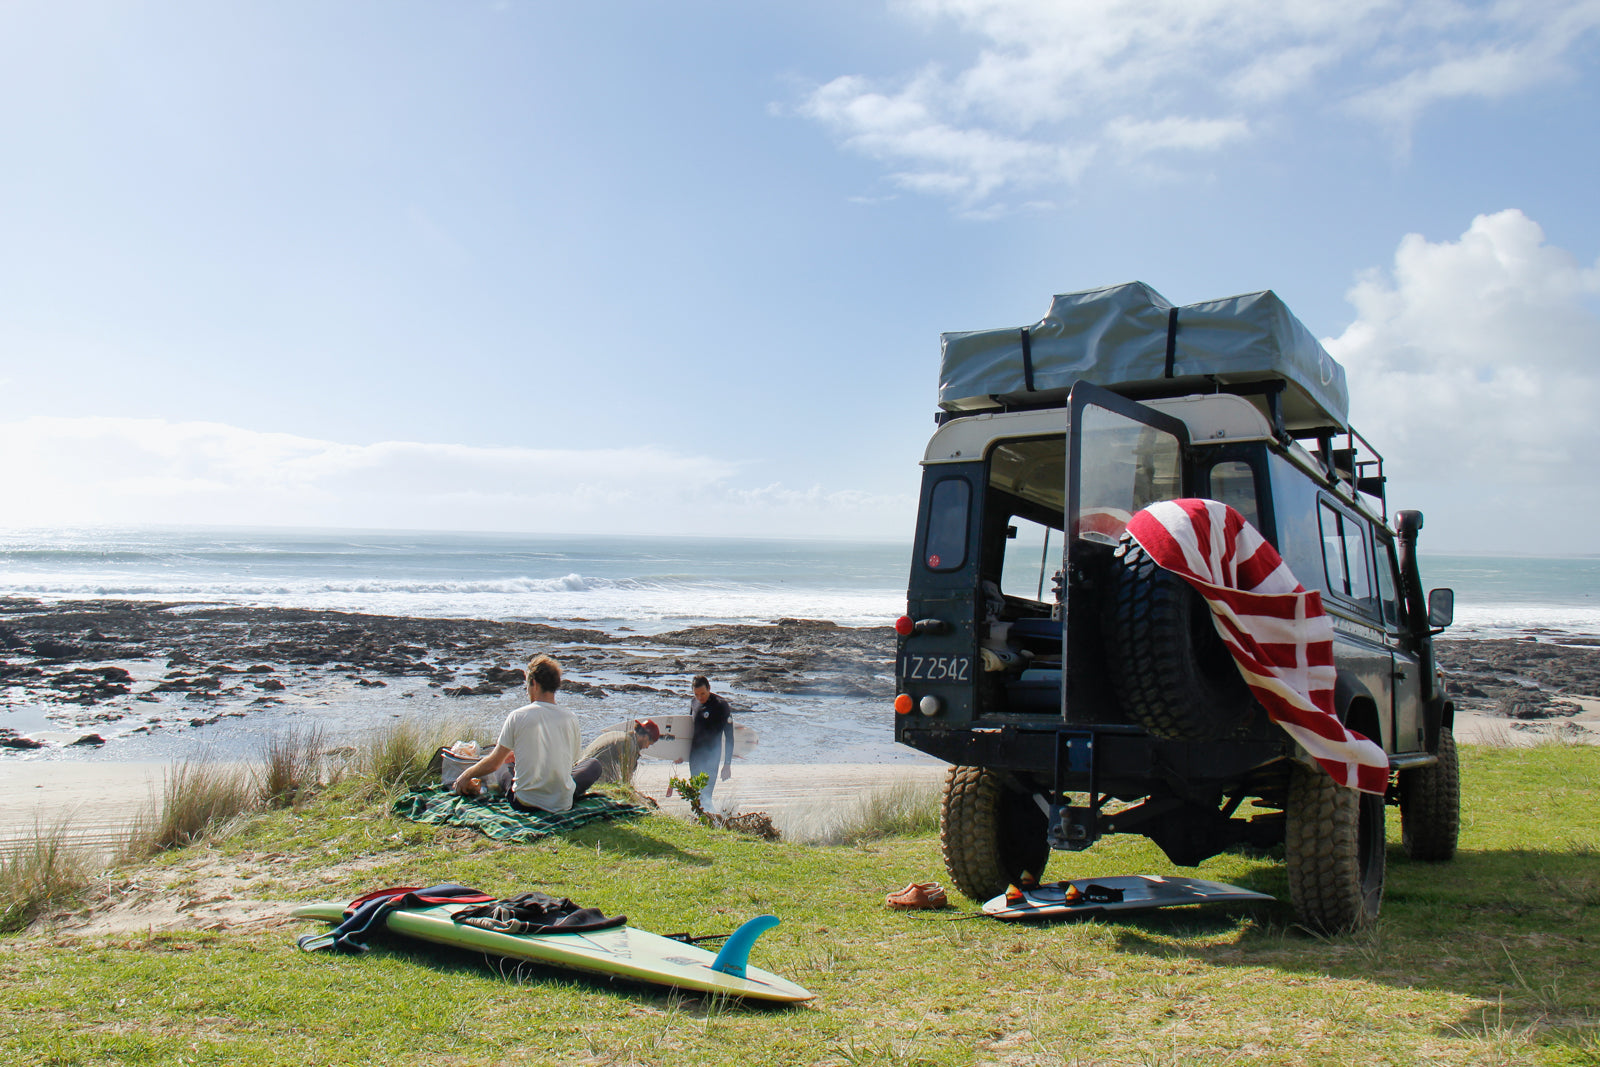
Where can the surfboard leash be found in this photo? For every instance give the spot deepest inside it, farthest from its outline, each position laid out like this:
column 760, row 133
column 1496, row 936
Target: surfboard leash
column 691, row 939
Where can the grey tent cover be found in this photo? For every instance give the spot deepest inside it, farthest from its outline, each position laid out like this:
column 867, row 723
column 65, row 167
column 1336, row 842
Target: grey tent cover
column 1117, row 337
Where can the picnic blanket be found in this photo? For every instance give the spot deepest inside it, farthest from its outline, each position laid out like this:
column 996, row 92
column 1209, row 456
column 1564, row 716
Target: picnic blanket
column 496, row 818
column 1275, row 627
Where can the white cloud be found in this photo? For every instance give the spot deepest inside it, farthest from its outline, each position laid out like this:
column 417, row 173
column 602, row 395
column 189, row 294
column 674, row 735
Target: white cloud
column 1175, row 133
column 964, row 164
column 1474, row 367
column 125, row 471
column 1031, row 107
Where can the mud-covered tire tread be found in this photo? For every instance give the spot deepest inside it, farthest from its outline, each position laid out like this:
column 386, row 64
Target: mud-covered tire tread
column 987, row 834
column 1430, row 805
column 1171, row 670
column 1324, row 853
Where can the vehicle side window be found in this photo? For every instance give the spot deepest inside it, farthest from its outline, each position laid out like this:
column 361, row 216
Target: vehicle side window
column 1357, row 561
column 1332, row 550
column 1233, row 482
column 945, row 547
column 1346, row 558
column 1388, row 583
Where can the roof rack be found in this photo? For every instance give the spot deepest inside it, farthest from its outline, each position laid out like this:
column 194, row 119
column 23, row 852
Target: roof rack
column 1355, row 465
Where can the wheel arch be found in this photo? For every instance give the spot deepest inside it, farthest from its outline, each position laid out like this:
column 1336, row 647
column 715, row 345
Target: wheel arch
column 1354, row 704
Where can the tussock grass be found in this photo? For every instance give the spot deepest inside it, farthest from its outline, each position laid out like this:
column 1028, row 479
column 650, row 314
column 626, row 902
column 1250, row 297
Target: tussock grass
column 291, row 767
column 401, row 753
column 199, row 799
column 45, row 871
column 899, row 809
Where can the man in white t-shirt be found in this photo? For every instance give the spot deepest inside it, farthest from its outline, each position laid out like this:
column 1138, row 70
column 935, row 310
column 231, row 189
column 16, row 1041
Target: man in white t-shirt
column 545, row 739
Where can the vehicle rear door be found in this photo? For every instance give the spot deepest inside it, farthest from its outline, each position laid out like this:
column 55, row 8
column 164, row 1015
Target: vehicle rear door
column 1121, row 457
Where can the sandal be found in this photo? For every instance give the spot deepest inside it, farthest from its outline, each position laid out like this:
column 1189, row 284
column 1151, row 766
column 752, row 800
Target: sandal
column 918, row 895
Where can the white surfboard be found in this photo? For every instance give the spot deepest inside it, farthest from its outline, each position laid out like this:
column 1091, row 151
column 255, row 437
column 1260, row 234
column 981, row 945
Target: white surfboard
column 678, row 730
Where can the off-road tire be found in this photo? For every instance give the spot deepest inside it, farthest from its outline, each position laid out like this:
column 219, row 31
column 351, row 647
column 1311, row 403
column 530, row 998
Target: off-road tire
column 1334, row 852
column 1430, row 805
column 989, row 833
column 1170, row 668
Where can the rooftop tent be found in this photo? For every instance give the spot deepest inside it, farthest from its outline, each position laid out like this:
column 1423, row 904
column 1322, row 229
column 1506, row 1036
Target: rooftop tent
column 1131, row 339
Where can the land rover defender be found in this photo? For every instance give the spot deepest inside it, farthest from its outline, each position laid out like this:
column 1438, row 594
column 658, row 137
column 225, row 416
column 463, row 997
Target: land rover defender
column 1079, row 690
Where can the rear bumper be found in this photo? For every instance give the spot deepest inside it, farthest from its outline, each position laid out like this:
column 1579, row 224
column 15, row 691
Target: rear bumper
column 1121, row 761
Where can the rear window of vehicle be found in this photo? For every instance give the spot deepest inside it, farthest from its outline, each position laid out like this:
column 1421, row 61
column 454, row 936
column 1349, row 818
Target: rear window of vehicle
column 949, row 507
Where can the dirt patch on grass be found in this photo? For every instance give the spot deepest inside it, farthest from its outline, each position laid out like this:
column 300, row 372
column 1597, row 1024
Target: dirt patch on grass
column 208, row 891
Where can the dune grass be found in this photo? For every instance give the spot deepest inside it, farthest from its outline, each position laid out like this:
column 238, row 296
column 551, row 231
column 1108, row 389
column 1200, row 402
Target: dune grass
column 1485, row 960
column 198, row 799
column 897, row 809
column 292, row 766
column 403, row 752
column 49, row 869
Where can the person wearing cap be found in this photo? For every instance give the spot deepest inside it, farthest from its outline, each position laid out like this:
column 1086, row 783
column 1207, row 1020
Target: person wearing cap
column 617, row 751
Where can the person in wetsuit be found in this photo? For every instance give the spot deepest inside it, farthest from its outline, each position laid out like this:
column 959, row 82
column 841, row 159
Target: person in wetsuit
column 712, row 742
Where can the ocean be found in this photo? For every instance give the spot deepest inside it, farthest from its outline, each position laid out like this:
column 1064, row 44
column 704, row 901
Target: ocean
column 648, row 584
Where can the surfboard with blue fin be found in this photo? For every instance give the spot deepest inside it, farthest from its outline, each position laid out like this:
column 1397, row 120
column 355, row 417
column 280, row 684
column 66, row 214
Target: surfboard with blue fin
column 621, row 951
column 1094, row 896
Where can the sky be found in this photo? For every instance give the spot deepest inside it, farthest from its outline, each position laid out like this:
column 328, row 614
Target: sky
column 682, row 268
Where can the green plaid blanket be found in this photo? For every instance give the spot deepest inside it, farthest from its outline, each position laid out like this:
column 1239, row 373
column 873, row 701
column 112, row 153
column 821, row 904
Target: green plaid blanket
column 495, row 817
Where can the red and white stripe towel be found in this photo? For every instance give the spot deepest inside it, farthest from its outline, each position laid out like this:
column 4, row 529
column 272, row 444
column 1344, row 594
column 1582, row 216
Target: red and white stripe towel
column 1274, row 626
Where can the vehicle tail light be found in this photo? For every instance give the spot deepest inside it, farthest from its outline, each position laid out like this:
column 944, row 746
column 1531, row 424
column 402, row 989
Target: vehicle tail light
column 903, row 626
column 903, row 704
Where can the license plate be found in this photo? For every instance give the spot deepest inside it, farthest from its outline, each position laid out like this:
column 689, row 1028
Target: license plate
column 915, row 668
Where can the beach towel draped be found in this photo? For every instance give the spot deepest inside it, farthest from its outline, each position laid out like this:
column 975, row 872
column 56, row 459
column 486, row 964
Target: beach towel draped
column 1275, row 628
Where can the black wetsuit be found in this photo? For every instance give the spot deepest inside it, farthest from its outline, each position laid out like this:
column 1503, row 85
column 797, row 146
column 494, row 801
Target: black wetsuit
column 713, row 739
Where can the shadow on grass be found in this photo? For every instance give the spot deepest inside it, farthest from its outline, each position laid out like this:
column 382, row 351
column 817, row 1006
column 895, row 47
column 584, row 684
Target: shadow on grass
column 450, row 962
column 627, row 840
column 1511, row 928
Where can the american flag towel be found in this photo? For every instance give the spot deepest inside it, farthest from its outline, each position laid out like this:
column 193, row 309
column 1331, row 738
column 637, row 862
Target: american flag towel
column 1274, row 626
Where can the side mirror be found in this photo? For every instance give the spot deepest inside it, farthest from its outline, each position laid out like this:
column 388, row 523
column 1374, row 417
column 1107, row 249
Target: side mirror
column 1441, row 608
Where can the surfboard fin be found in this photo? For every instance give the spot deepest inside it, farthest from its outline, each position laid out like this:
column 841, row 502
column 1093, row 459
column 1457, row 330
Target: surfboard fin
column 735, row 954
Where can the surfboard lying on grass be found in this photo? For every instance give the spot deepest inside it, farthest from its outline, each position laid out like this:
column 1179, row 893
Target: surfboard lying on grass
column 1133, row 892
column 621, row 951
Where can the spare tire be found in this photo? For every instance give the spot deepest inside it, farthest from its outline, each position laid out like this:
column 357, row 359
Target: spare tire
column 1170, row 668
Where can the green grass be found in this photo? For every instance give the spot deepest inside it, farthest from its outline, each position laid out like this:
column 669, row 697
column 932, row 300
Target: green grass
column 1490, row 959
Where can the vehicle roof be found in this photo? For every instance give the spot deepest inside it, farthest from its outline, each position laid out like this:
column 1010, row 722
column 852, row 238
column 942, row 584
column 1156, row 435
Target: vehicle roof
column 1212, row 418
